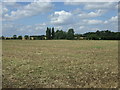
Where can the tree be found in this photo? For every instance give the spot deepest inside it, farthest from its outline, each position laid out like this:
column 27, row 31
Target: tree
column 48, row 33
column 26, row 37
column 60, row 34
column 3, row 37
column 70, row 34
column 53, row 33
column 14, row 36
column 102, row 35
column 57, row 34
column 19, row 37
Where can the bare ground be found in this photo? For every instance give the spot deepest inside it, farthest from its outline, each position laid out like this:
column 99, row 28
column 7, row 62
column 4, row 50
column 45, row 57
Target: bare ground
column 60, row 64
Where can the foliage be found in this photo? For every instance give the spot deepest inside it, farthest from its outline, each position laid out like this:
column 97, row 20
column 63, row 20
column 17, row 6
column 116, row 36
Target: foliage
column 60, row 34
column 48, row 33
column 2, row 37
column 53, row 33
column 102, row 35
column 26, row 37
column 70, row 34
column 14, row 36
column 19, row 37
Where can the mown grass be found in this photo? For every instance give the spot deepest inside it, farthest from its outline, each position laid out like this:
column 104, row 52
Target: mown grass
column 60, row 64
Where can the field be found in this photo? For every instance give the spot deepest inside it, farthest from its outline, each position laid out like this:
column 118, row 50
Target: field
column 60, row 64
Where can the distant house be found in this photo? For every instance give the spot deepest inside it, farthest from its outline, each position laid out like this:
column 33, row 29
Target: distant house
column 24, row 38
column 80, row 38
column 41, row 37
column 8, row 38
column 34, row 37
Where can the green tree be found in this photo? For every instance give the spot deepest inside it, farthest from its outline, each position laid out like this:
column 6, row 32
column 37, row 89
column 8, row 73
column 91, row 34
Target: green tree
column 70, row 34
column 102, row 35
column 19, row 37
column 60, row 34
column 57, row 34
column 26, row 37
column 14, row 36
column 53, row 33
column 48, row 33
column 3, row 37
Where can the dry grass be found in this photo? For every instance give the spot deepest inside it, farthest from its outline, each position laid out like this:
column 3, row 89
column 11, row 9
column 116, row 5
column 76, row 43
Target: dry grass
column 60, row 64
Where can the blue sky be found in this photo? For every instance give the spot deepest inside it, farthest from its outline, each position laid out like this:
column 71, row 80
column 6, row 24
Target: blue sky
column 33, row 18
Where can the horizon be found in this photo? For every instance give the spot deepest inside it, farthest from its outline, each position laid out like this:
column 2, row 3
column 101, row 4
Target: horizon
column 64, row 31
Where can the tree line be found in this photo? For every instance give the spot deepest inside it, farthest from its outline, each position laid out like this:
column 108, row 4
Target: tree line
column 51, row 34
column 102, row 35
column 59, row 34
column 69, row 35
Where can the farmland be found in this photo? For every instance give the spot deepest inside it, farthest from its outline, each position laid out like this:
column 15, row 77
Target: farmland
column 60, row 63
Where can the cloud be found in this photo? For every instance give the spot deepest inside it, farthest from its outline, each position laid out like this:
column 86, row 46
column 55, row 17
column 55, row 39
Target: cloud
column 1, row 11
column 61, row 18
column 41, row 26
column 71, row 1
column 5, row 10
column 29, row 10
column 80, row 19
column 77, row 11
column 9, row 0
column 10, row 29
column 111, row 24
column 81, row 27
column 93, row 21
column 92, row 14
column 100, row 5
column 113, row 19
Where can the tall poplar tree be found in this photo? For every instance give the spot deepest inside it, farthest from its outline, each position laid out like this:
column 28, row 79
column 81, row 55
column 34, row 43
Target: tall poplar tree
column 48, row 33
column 53, row 33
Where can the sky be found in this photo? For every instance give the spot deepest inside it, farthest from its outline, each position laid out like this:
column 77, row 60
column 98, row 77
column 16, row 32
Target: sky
column 32, row 18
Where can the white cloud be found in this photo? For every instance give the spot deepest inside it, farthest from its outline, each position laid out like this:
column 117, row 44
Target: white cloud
column 1, row 10
column 77, row 11
column 5, row 10
column 58, row 28
column 10, row 29
column 29, row 10
column 40, row 26
column 72, row 3
column 10, row 3
column 81, row 20
column 93, row 21
column 92, row 14
column 113, row 19
column 9, row 0
column 61, row 18
column 81, row 27
column 112, row 23
column 106, row 22
column 100, row 5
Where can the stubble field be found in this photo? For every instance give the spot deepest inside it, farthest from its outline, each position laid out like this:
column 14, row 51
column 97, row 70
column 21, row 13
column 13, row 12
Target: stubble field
column 59, row 64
